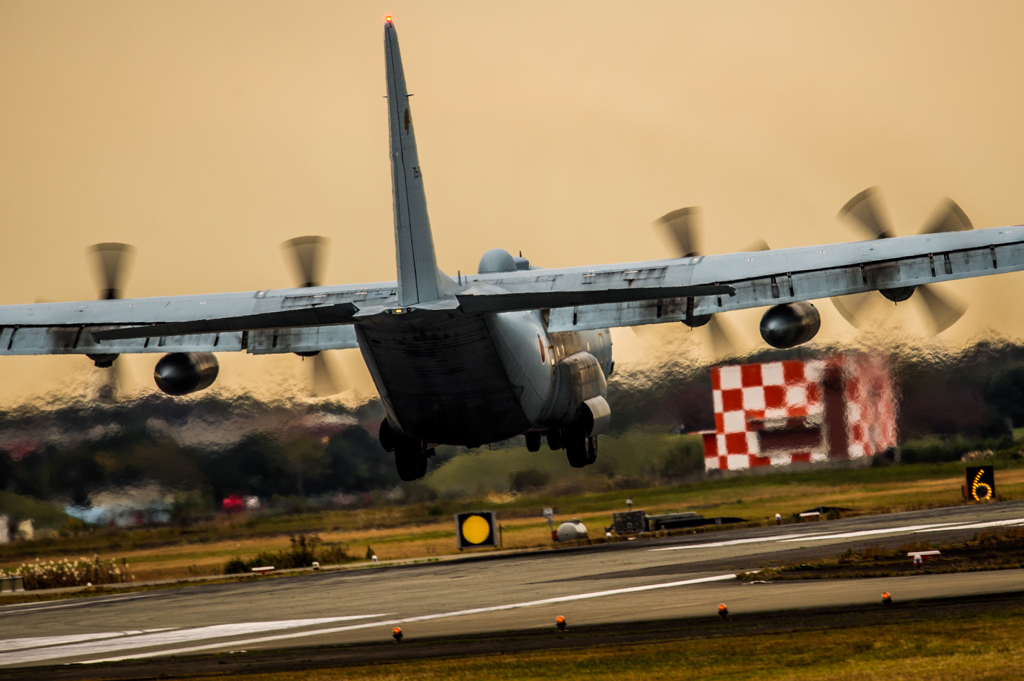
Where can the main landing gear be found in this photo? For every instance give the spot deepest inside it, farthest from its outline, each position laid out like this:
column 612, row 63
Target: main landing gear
column 410, row 454
column 411, row 458
column 580, row 449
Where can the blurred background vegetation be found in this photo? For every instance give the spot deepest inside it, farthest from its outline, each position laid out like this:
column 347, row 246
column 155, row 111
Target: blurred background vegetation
column 301, row 454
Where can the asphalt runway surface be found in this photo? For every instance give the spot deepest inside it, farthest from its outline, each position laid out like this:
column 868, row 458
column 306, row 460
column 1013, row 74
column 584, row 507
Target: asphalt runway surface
column 642, row 580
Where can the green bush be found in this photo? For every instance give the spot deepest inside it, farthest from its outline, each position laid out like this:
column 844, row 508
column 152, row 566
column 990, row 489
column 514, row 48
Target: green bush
column 527, row 479
column 686, row 458
column 235, row 566
column 304, row 550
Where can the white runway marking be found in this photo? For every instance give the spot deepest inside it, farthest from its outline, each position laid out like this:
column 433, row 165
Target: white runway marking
column 978, row 526
column 77, row 602
column 935, row 527
column 42, row 641
column 423, row 618
column 824, row 536
column 107, row 645
column 730, row 542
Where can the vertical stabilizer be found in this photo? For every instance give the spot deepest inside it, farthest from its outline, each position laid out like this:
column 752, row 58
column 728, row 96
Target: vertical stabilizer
column 419, row 280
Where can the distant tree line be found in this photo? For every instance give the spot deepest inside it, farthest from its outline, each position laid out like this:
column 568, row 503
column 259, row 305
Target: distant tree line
column 970, row 399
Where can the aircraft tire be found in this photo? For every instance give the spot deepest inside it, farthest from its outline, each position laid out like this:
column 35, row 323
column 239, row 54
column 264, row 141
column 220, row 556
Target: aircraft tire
column 575, row 442
column 591, row 449
column 410, row 459
column 532, row 441
column 554, row 439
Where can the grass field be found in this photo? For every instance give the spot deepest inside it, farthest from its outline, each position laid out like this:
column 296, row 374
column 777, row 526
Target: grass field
column 426, row 530
column 985, row 646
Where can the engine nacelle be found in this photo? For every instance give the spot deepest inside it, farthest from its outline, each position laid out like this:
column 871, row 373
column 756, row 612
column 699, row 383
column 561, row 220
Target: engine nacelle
column 898, row 295
column 579, row 393
column 790, row 325
column 181, row 373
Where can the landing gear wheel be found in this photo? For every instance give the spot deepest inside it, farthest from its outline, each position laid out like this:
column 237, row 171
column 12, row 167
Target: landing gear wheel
column 575, row 441
column 591, row 449
column 410, row 459
column 532, row 441
column 554, row 439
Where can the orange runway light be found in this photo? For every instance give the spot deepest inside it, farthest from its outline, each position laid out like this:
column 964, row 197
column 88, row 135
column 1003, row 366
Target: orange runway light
column 722, row 610
column 560, row 623
column 397, row 634
column 886, row 598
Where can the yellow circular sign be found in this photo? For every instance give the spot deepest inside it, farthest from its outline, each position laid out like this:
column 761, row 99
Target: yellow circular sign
column 475, row 529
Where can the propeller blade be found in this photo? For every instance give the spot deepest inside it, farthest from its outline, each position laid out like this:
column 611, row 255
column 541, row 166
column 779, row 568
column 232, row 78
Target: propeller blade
column 948, row 217
column 307, row 257
column 722, row 340
column 110, row 261
column 325, row 381
column 866, row 209
column 851, row 306
column 681, row 230
column 943, row 311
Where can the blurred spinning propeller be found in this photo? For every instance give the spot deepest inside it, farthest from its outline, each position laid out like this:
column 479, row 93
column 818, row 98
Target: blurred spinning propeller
column 681, row 231
column 307, row 256
column 110, row 260
column 941, row 310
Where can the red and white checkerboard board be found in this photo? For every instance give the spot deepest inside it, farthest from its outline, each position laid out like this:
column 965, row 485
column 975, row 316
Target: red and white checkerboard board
column 775, row 397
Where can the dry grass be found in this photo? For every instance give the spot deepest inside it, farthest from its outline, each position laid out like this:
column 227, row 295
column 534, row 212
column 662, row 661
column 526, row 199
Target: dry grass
column 978, row 647
column 394, row 535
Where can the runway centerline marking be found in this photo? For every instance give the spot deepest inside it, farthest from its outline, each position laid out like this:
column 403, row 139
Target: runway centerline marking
column 425, row 618
column 108, row 645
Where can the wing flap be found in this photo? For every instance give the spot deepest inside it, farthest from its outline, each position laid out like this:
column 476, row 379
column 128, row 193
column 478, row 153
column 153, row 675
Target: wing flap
column 535, row 300
column 62, row 340
column 312, row 316
column 310, row 339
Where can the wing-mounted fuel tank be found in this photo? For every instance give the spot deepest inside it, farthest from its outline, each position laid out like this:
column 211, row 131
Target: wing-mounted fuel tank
column 182, row 373
column 579, row 395
column 790, row 325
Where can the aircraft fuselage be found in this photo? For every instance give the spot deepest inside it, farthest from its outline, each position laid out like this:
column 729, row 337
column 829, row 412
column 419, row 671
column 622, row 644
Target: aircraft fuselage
column 452, row 378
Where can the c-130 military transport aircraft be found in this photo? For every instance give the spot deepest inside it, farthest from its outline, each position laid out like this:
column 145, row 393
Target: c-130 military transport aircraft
column 512, row 349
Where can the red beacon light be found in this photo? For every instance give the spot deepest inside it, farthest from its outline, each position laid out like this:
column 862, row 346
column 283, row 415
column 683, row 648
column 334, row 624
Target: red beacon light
column 387, row 19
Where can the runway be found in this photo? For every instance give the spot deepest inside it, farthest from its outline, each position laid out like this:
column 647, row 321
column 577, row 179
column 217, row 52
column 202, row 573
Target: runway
column 623, row 582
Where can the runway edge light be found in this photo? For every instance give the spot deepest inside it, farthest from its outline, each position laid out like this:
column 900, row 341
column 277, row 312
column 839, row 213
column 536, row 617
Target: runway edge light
column 397, row 634
column 722, row 610
column 560, row 623
column 886, row 598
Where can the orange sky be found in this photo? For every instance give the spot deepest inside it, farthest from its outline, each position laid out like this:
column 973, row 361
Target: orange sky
column 207, row 133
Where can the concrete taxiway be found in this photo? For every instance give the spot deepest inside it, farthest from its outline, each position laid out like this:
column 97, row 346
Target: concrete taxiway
column 623, row 582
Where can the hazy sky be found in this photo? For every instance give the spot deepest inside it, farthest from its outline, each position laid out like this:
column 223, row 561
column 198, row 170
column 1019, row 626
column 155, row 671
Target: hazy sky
column 206, row 133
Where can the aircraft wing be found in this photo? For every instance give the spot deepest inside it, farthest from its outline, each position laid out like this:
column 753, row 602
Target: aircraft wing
column 720, row 283
column 579, row 298
column 287, row 320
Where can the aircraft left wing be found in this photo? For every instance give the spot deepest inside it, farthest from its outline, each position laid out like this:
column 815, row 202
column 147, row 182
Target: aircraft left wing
column 287, row 320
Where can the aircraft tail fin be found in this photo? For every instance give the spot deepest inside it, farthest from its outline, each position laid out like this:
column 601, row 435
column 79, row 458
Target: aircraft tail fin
column 419, row 279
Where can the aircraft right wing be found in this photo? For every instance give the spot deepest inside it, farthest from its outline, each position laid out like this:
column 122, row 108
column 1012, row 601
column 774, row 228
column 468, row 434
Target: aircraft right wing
column 662, row 291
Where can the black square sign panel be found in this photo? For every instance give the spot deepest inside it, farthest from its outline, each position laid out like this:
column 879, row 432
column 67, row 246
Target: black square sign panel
column 981, row 483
